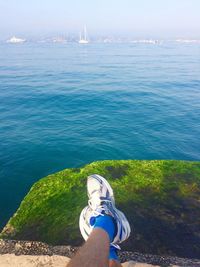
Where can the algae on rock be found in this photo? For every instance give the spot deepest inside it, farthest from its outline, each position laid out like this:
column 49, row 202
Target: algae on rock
column 160, row 199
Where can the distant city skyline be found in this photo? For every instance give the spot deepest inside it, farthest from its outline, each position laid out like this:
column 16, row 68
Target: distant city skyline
column 139, row 19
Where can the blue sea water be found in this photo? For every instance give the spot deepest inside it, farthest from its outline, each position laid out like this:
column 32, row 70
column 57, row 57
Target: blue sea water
column 65, row 105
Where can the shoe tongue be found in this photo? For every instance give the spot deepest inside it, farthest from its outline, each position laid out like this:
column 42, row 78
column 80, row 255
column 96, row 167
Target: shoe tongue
column 95, row 202
column 100, row 210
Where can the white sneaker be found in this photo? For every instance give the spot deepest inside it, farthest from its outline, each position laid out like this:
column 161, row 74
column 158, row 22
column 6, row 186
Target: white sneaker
column 101, row 202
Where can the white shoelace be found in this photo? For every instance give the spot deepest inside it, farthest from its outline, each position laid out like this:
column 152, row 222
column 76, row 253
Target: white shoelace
column 100, row 208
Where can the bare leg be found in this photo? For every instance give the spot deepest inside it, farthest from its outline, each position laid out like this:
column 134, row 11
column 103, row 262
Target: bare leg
column 94, row 252
column 113, row 263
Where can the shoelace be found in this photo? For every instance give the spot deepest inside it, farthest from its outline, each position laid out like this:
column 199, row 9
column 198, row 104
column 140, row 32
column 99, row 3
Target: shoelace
column 101, row 208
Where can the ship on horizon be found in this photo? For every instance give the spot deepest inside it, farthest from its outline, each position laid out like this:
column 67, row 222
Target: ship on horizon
column 83, row 38
column 15, row 40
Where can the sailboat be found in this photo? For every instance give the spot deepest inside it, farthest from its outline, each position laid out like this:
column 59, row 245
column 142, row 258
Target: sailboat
column 83, row 39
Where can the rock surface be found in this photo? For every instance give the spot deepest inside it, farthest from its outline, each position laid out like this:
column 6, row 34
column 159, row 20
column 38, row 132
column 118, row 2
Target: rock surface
column 30, row 253
column 11, row 260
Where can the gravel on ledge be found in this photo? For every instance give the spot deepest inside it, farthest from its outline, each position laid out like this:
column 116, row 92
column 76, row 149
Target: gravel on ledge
column 39, row 248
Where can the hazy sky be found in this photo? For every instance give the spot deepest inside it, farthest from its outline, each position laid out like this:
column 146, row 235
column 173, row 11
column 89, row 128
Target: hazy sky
column 160, row 18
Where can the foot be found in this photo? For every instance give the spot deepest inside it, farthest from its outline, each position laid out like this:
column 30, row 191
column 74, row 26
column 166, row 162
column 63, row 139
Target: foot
column 101, row 202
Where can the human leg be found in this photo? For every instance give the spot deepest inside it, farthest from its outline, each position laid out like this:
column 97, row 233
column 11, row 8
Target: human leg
column 94, row 252
column 100, row 215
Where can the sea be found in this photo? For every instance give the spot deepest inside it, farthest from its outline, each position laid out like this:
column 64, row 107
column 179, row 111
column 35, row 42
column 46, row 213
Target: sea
column 66, row 105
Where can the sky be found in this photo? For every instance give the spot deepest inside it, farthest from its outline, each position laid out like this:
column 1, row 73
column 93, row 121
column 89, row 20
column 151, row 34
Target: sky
column 135, row 18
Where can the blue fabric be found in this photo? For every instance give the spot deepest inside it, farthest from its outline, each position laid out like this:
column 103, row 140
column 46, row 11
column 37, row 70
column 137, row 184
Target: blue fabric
column 104, row 222
column 113, row 254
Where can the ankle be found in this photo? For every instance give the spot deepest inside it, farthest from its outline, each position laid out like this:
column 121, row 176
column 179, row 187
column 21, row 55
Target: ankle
column 106, row 223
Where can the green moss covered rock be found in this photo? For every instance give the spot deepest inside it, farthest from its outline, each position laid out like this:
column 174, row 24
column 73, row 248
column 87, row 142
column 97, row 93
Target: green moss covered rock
column 161, row 199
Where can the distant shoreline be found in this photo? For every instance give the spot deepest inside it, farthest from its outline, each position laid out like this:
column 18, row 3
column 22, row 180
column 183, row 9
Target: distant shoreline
column 94, row 40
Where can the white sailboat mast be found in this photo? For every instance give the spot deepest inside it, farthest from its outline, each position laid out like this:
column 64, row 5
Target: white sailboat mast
column 83, row 36
column 85, row 33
